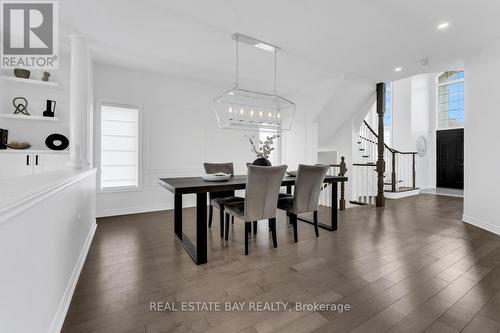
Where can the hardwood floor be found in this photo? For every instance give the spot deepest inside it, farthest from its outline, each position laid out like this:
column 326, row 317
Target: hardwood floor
column 412, row 266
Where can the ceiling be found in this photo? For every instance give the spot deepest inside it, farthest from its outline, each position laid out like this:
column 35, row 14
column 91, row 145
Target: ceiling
column 319, row 39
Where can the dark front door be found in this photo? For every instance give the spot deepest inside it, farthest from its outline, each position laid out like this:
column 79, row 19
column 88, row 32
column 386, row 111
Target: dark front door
column 450, row 158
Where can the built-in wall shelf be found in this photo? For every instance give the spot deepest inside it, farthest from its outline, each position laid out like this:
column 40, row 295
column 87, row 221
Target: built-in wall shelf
column 24, row 117
column 30, row 81
column 33, row 151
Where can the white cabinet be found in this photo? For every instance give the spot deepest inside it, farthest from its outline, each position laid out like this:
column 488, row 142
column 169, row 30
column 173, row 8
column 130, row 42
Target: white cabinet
column 23, row 163
column 49, row 162
column 12, row 165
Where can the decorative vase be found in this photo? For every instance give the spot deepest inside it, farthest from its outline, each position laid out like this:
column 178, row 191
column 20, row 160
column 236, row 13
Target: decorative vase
column 22, row 73
column 50, row 109
column 261, row 161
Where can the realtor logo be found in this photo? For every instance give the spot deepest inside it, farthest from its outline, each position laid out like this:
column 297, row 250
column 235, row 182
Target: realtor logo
column 30, row 34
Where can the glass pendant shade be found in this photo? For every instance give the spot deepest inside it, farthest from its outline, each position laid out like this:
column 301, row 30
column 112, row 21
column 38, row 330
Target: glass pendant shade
column 250, row 110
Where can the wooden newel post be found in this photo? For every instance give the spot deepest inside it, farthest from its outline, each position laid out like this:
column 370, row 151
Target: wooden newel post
column 380, row 200
column 342, row 172
column 393, row 172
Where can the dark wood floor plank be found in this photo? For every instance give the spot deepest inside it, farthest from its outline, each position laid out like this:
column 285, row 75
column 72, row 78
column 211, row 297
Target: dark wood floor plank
column 410, row 266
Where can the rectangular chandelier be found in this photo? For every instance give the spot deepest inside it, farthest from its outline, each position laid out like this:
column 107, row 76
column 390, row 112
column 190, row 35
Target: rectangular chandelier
column 251, row 110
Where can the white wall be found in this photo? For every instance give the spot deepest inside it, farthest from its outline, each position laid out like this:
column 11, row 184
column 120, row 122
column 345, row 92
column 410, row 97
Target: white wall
column 179, row 133
column 413, row 115
column 482, row 160
column 44, row 238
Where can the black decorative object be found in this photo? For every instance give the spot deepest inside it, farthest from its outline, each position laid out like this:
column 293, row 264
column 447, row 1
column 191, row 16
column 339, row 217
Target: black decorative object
column 45, row 76
column 20, row 106
column 4, row 137
column 50, row 109
column 22, row 73
column 261, row 161
column 57, row 142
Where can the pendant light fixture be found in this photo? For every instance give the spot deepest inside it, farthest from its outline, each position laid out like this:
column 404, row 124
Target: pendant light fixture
column 251, row 110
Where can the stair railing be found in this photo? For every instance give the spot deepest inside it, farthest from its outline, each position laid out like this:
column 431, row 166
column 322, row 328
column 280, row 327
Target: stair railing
column 335, row 170
column 401, row 166
column 364, row 183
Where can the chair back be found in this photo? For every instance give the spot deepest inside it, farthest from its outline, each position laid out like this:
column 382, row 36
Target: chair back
column 261, row 193
column 308, row 187
column 211, row 168
column 227, row 168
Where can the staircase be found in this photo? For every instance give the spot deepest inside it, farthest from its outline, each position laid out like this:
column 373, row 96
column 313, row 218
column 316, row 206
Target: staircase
column 399, row 177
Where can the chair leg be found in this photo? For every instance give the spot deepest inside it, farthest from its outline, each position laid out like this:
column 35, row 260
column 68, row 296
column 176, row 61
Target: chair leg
column 255, row 227
column 293, row 220
column 315, row 219
column 269, row 224
column 272, row 222
column 210, row 215
column 221, row 217
column 232, row 219
column 227, row 227
column 248, row 226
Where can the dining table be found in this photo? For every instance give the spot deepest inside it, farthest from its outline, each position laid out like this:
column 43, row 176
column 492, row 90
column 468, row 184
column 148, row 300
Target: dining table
column 196, row 185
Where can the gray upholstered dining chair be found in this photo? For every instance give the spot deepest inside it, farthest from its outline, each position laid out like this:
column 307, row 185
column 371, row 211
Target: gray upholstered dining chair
column 306, row 195
column 261, row 199
column 220, row 199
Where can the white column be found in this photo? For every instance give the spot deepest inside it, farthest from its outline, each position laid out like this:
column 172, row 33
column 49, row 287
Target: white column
column 78, row 100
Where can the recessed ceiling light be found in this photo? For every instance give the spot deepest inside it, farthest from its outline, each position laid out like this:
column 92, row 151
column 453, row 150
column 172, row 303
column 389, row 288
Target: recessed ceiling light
column 443, row 25
column 398, row 69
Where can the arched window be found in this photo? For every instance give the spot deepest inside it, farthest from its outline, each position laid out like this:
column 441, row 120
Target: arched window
column 450, row 113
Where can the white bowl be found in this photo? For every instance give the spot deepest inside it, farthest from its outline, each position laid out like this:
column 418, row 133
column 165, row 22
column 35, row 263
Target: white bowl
column 216, row 177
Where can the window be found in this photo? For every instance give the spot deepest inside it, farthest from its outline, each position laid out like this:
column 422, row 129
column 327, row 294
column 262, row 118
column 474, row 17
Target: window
column 451, row 100
column 388, row 114
column 119, row 146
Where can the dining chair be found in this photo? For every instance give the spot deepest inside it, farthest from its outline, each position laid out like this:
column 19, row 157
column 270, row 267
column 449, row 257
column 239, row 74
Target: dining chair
column 308, row 183
column 261, row 200
column 220, row 199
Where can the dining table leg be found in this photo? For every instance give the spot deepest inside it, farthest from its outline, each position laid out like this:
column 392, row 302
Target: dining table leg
column 334, row 208
column 201, row 228
column 178, row 215
column 333, row 212
column 197, row 252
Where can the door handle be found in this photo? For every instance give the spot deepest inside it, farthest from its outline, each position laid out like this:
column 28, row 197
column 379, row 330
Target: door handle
column 36, row 160
column 27, row 159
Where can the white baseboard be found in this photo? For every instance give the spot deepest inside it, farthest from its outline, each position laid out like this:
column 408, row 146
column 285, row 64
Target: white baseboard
column 399, row 195
column 63, row 307
column 481, row 224
column 132, row 210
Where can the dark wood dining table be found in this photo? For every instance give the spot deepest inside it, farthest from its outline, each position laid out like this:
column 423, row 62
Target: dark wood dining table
column 200, row 187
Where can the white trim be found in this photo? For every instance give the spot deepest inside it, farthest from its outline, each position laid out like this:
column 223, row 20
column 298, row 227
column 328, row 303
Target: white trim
column 33, row 151
column 62, row 309
column 481, row 224
column 133, row 210
column 119, row 189
column 22, row 201
column 399, row 195
column 449, row 128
